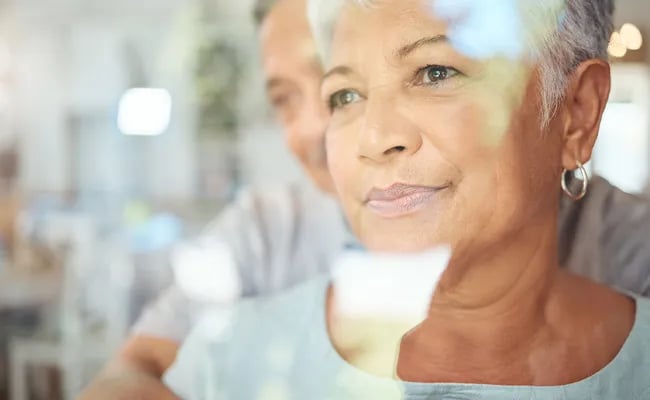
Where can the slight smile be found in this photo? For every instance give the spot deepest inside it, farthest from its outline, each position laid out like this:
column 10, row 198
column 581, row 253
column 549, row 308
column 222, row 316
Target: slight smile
column 401, row 199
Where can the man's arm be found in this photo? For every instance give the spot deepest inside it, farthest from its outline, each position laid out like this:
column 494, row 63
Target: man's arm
column 135, row 372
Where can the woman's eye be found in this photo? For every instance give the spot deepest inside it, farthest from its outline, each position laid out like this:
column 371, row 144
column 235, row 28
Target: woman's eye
column 433, row 74
column 343, row 98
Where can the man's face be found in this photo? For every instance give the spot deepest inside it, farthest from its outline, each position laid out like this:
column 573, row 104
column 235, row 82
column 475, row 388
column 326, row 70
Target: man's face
column 293, row 76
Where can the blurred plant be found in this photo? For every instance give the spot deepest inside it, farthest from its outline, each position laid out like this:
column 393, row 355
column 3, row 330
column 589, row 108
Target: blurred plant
column 217, row 76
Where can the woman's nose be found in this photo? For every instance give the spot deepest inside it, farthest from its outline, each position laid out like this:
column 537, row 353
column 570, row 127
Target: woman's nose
column 385, row 133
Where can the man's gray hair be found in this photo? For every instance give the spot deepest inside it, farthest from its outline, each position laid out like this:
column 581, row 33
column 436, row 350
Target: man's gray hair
column 261, row 9
column 581, row 31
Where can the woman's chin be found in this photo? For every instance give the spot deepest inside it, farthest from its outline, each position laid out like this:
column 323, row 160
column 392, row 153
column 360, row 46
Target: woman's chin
column 412, row 234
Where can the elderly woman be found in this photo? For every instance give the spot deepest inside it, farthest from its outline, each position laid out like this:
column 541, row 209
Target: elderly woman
column 454, row 123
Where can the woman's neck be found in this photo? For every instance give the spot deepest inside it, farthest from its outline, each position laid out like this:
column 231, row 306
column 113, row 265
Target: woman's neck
column 509, row 318
column 508, row 291
column 514, row 319
column 472, row 307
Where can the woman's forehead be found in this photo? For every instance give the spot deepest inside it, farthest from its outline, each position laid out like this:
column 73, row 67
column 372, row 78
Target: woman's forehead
column 387, row 26
column 402, row 15
column 477, row 29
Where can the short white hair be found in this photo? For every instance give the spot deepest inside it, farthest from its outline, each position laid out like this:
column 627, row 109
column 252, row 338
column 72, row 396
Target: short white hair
column 579, row 32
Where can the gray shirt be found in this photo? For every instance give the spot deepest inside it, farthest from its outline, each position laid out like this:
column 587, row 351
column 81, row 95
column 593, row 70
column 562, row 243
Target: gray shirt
column 278, row 237
column 278, row 348
column 286, row 235
column 606, row 237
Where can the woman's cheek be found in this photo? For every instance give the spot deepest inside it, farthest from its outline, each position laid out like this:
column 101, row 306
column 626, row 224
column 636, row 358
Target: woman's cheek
column 456, row 127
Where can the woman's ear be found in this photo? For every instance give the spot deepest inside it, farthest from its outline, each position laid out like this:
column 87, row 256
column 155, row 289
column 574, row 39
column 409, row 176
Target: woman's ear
column 586, row 98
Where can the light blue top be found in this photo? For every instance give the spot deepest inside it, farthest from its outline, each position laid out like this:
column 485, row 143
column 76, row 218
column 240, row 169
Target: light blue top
column 278, row 349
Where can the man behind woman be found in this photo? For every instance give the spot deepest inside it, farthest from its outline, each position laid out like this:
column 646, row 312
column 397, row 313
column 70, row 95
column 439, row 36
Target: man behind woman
column 602, row 236
column 435, row 142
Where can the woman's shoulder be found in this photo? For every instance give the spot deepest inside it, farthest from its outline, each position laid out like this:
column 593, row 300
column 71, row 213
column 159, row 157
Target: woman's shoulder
column 229, row 340
column 642, row 322
column 631, row 368
column 300, row 300
column 289, row 307
column 626, row 376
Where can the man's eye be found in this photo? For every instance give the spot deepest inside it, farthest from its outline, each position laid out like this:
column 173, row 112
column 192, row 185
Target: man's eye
column 285, row 104
column 280, row 100
column 433, row 74
column 343, row 98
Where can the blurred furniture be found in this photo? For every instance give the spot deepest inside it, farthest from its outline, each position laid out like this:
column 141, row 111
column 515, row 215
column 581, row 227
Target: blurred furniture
column 10, row 201
column 19, row 291
column 90, row 320
column 22, row 299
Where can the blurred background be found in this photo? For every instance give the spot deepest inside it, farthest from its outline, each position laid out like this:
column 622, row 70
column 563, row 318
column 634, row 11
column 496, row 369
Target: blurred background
column 125, row 126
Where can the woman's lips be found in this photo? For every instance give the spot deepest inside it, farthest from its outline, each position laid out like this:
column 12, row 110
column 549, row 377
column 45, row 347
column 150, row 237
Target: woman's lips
column 400, row 199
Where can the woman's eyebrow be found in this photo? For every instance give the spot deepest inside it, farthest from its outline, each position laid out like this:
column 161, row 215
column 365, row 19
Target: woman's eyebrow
column 426, row 41
column 401, row 53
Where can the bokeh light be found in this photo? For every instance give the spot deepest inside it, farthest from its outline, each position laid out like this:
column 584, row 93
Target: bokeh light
column 616, row 46
column 631, row 37
column 144, row 112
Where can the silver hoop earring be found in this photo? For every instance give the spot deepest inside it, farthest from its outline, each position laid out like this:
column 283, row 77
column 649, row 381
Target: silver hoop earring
column 584, row 180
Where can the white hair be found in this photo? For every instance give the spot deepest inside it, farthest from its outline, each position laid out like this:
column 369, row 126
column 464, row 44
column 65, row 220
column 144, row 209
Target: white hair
column 579, row 31
column 582, row 34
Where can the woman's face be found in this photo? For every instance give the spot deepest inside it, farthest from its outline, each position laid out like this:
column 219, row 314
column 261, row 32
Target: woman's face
column 427, row 146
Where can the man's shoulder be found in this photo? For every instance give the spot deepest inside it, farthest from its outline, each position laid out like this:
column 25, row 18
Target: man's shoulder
column 624, row 216
column 607, row 208
column 620, row 224
column 281, row 216
column 302, row 194
column 277, row 204
column 611, row 199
